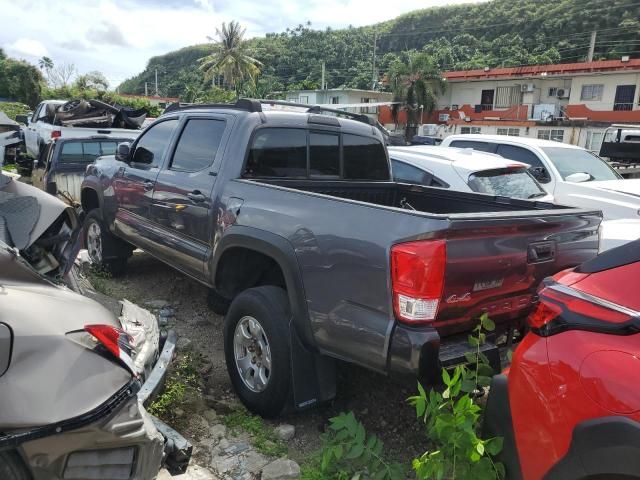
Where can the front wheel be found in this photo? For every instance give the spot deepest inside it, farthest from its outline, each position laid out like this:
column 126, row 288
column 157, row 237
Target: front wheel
column 257, row 351
column 105, row 250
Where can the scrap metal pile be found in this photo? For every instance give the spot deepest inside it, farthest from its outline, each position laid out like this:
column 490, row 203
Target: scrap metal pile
column 95, row 114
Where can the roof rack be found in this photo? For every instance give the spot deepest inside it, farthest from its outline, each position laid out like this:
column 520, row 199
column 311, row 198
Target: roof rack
column 252, row 105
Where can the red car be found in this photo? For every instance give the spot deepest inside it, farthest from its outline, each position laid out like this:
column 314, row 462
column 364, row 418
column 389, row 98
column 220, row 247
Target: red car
column 569, row 405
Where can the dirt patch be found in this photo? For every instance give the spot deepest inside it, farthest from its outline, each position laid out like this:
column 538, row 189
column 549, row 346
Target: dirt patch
column 378, row 401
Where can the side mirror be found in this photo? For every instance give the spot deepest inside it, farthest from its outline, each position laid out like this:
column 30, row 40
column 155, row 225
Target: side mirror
column 123, row 151
column 23, row 119
column 540, row 174
column 578, row 177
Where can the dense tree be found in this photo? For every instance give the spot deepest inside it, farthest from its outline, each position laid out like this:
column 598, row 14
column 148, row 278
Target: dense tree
column 494, row 33
column 20, row 80
column 230, row 57
column 93, row 80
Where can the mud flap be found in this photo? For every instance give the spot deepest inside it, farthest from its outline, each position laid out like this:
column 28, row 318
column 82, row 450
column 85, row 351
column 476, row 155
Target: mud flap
column 313, row 376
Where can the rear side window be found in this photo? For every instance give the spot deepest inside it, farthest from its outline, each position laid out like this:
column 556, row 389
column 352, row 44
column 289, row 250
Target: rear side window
column 405, row 173
column 198, row 144
column 364, row 158
column 278, row 152
column 519, row 154
column 480, row 146
column 85, row 152
column 324, row 154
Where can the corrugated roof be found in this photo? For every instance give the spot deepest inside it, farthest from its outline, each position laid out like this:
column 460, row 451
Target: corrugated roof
column 537, row 70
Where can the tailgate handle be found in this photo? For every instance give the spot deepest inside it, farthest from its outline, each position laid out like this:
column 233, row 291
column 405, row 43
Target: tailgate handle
column 541, row 252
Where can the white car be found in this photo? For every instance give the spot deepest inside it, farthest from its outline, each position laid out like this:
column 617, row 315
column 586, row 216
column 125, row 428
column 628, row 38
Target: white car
column 574, row 176
column 465, row 170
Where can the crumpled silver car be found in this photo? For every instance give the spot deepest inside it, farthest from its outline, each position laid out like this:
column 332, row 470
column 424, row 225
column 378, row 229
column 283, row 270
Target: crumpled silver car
column 74, row 378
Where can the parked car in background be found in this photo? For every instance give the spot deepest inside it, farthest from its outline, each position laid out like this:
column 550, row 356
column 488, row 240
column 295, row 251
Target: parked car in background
column 569, row 405
column 82, row 119
column 73, row 376
column 313, row 252
column 573, row 175
column 465, row 170
column 61, row 166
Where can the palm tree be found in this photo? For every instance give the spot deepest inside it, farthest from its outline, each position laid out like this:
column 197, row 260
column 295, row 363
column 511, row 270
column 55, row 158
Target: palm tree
column 416, row 81
column 230, row 57
column 45, row 63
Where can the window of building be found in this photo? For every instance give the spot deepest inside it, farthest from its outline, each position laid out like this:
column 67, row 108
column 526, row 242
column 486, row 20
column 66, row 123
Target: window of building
column 553, row 92
column 368, row 109
column 364, row 158
column 508, row 96
column 278, row 152
column 486, row 99
column 594, row 141
column 555, row 135
column 512, row 132
column 153, row 142
column 592, row 92
column 324, row 154
column 198, row 145
column 304, row 99
column 335, row 100
column 468, row 130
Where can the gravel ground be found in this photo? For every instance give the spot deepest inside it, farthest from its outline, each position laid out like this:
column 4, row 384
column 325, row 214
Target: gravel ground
column 379, row 402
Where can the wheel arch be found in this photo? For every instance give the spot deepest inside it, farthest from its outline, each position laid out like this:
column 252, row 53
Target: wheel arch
column 274, row 251
column 89, row 199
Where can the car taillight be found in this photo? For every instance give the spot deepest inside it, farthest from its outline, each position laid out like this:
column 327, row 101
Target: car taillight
column 562, row 308
column 108, row 341
column 56, row 133
column 417, row 277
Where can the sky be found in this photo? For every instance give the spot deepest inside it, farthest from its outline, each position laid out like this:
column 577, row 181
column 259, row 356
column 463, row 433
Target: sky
column 117, row 37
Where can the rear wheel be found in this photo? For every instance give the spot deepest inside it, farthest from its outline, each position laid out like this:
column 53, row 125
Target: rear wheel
column 105, row 251
column 12, row 467
column 257, row 351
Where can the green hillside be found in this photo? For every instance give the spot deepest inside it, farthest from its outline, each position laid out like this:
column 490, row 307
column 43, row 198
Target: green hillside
column 496, row 33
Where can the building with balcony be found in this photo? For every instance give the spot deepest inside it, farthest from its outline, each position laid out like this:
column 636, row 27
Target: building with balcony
column 572, row 103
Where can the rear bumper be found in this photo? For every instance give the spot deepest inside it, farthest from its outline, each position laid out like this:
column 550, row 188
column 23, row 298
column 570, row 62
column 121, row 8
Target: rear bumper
column 420, row 352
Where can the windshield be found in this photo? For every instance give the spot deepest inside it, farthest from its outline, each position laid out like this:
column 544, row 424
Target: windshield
column 86, row 151
column 572, row 160
column 506, row 182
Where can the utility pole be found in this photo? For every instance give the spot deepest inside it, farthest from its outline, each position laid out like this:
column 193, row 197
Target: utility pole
column 592, row 46
column 146, row 89
column 322, row 86
column 156, row 82
column 375, row 77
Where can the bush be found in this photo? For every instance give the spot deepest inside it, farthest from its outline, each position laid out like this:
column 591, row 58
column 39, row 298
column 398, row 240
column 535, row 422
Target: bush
column 14, row 108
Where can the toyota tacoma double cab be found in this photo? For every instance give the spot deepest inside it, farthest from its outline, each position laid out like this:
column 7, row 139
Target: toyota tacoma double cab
column 313, row 253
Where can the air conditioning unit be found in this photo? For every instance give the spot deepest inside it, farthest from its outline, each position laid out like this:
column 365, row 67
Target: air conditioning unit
column 443, row 117
column 563, row 92
column 526, row 87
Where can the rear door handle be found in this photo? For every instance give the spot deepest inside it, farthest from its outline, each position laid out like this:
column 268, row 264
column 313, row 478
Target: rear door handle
column 196, row 196
column 148, row 185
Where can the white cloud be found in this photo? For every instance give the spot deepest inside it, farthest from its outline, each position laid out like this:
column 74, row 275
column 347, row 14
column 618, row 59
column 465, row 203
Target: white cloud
column 27, row 47
column 118, row 37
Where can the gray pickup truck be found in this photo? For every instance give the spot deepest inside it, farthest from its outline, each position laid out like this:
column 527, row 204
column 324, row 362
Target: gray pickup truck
column 313, row 252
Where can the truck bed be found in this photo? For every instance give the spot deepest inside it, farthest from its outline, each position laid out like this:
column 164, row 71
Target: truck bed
column 433, row 200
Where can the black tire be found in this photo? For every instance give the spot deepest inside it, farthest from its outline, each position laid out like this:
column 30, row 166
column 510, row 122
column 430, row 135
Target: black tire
column 270, row 307
column 12, row 467
column 217, row 303
column 109, row 253
column 72, row 108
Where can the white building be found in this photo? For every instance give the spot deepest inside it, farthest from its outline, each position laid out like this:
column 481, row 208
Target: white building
column 341, row 96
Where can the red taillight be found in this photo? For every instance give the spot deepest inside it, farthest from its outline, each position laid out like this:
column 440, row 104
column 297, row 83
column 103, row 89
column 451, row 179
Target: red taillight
column 56, row 133
column 417, row 276
column 116, row 341
column 554, row 304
